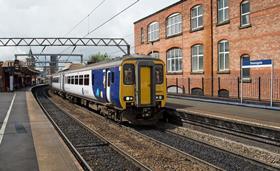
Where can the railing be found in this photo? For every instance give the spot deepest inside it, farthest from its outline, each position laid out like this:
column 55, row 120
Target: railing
column 257, row 88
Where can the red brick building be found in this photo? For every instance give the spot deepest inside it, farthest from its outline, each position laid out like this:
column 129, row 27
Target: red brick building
column 203, row 43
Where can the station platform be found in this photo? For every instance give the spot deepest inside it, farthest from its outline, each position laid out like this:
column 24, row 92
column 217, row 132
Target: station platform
column 28, row 141
column 251, row 115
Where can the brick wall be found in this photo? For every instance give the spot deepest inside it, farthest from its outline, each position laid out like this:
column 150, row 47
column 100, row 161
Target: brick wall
column 260, row 41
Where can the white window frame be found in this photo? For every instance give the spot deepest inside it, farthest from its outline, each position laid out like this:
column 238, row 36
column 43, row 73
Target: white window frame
column 245, row 14
column 223, row 9
column 196, row 57
column 172, row 25
column 196, row 17
column 174, row 56
column 154, row 54
column 153, row 31
column 223, row 54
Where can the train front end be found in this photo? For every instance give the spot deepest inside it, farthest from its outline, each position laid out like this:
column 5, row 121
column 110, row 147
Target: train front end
column 143, row 89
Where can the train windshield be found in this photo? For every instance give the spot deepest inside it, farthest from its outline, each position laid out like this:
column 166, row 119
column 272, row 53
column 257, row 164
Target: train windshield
column 159, row 74
column 128, row 71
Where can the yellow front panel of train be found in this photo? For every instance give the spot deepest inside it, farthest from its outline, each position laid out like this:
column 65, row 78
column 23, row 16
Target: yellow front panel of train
column 145, row 83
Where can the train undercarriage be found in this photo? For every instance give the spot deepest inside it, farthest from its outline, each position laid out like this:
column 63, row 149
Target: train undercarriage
column 132, row 115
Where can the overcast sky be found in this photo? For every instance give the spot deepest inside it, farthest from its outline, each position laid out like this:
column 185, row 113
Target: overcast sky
column 54, row 18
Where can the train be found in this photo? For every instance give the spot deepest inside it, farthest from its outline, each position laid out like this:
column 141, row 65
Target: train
column 129, row 89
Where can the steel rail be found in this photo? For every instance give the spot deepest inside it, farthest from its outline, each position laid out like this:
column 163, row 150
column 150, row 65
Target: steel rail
column 75, row 152
column 120, row 151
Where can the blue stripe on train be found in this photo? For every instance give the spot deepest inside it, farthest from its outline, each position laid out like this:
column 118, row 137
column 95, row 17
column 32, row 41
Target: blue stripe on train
column 99, row 89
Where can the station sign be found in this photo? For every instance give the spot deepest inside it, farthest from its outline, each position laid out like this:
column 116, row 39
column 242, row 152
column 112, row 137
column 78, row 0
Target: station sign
column 257, row 63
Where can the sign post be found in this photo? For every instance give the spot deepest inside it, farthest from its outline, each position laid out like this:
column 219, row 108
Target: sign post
column 258, row 64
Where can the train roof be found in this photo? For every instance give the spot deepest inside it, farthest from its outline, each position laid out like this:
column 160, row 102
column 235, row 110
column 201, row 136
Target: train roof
column 108, row 63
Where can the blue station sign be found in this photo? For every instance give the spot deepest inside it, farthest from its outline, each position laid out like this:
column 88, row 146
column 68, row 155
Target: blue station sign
column 257, row 63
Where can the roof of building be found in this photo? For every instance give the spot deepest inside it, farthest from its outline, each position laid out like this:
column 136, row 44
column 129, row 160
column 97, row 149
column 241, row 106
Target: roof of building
column 72, row 66
column 170, row 6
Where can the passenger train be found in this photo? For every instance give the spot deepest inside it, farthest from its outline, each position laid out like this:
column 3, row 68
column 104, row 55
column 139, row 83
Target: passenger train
column 131, row 88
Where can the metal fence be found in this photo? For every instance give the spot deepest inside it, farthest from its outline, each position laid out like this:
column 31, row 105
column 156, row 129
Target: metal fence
column 257, row 88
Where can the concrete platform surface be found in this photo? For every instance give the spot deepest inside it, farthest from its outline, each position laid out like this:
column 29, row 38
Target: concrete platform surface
column 270, row 118
column 29, row 141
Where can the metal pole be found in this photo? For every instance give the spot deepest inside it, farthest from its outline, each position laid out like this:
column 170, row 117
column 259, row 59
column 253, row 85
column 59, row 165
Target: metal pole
column 271, row 85
column 241, row 86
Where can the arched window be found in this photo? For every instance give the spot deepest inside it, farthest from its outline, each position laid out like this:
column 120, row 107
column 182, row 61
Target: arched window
column 154, row 54
column 196, row 17
column 197, row 58
column 153, row 31
column 174, row 24
column 245, row 13
column 174, row 60
column 223, row 52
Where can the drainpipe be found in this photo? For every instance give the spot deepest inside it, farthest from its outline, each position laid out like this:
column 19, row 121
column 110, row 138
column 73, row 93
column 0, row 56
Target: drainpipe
column 212, row 51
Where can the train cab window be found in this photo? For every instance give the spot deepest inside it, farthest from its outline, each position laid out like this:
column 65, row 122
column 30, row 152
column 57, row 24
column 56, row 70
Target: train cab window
column 81, row 79
column 76, row 79
column 159, row 74
column 86, row 80
column 129, row 74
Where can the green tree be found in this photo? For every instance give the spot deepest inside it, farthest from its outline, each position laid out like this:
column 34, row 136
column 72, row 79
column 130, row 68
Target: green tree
column 98, row 58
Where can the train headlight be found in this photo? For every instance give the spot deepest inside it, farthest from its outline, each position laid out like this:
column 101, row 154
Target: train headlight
column 128, row 98
column 159, row 97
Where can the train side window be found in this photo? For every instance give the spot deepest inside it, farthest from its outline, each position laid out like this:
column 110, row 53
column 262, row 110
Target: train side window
column 81, row 79
column 72, row 81
column 159, row 74
column 129, row 74
column 109, row 79
column 76, row 80
column 86, row 79
column 112, row 77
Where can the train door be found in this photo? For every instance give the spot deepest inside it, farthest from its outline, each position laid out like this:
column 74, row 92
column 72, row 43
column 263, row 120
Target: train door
column 108, row 85
column 145, row 84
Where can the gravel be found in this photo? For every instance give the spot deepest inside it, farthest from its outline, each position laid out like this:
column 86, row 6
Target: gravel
column 98, row 153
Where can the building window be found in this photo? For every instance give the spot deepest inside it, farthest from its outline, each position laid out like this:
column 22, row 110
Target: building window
column 142, row 36
column 223, row 11
column 197, row 17
column 154, row 54
column 197, row 58
column 223, row 55
column 245, row 13
column 245, row 71
column 174, row 24
column 174, row 60
column 153, row 31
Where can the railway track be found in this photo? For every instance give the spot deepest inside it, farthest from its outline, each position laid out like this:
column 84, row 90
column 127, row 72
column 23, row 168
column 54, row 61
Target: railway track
column 258, row 133
column 90, row 148
column 152, row 154
column 218, row 157
column 214, row 158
